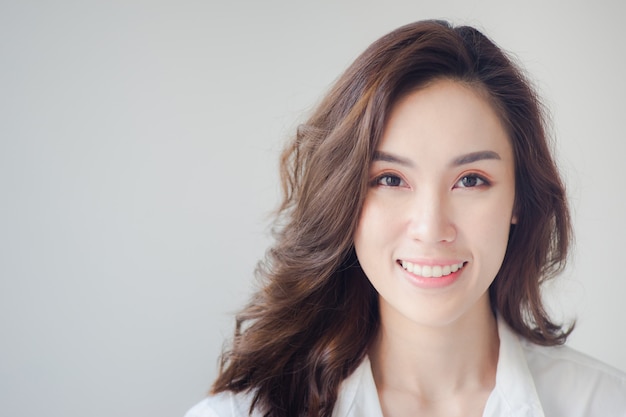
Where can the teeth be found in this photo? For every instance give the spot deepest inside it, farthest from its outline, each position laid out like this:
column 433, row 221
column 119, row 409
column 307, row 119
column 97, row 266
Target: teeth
column 427, row 271
column 437, row 271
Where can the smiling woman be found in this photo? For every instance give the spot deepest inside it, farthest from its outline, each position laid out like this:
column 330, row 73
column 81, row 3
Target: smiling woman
column 431, row 244
column 451, row 203
column 422, row 211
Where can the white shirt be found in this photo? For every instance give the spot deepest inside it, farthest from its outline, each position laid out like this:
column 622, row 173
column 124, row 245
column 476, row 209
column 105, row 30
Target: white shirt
column 531, row 381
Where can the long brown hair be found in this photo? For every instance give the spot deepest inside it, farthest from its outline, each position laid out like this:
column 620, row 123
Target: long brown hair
column 310, row 324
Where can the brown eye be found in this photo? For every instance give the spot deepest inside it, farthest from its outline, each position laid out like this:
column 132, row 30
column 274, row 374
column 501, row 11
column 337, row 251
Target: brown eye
column 388, row 180
column 470, row 181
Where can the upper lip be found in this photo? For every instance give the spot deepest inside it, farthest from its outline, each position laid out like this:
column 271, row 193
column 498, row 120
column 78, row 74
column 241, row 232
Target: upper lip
column 431, row 270
column 432, row 262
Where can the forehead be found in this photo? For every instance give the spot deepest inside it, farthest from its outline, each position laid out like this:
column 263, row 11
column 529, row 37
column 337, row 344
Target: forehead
column 445, row 113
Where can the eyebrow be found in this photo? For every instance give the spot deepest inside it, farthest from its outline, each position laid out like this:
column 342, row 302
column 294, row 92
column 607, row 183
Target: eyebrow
column 475, row 156
column 387, row 157
column 461, row 160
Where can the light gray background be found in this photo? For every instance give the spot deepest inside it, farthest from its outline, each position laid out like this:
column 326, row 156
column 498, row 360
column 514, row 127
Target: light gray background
column 138, row 165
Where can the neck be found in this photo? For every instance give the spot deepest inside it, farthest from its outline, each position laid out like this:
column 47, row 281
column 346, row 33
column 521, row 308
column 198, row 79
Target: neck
column 436, row 361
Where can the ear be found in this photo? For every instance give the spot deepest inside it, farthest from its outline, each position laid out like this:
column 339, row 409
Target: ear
column 514, row 219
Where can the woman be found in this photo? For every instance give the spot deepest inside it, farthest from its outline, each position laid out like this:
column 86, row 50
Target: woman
column 422, row 211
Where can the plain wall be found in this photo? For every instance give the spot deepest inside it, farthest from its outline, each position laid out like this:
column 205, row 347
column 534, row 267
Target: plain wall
column 139, row 147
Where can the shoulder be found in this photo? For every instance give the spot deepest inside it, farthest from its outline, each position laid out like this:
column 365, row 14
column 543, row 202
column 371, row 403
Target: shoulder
column 223, row 404
column 567, row 380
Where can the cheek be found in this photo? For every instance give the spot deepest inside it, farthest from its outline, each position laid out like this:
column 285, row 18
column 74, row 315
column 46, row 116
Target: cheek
column 378, row 222
column 365, row 228
column 489, row 230
column 493, row 223
column 368, row 245
column 374, row 232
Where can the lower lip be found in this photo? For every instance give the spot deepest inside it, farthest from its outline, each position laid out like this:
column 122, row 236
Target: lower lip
column 432, row 283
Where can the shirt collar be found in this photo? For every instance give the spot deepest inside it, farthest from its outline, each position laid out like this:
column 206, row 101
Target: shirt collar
column 358, row 395
column 513, row 396
column 515, row 393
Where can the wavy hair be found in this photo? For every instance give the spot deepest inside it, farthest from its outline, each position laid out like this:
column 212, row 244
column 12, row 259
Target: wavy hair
column 311, row 322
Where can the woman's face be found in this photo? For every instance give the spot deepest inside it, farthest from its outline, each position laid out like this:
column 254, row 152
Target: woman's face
column 435, row 223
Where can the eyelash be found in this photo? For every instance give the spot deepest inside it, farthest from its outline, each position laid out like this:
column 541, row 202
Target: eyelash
column 481, row 180
column 377, row 181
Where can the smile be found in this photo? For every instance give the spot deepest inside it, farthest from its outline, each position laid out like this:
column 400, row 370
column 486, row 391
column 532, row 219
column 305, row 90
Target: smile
column 430, row 271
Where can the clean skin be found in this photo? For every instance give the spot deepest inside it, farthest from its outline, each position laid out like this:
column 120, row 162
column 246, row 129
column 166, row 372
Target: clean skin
column 431, row 238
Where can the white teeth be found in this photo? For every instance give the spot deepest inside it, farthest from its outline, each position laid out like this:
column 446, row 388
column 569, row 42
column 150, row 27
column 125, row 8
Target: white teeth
column 437, row 271
column 427, row 271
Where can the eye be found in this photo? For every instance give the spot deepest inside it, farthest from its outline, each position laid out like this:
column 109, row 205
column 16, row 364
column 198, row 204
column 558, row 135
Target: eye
column 389, row 180
column 471, row 180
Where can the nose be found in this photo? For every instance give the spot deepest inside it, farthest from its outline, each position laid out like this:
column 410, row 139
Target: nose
column 430, row 218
